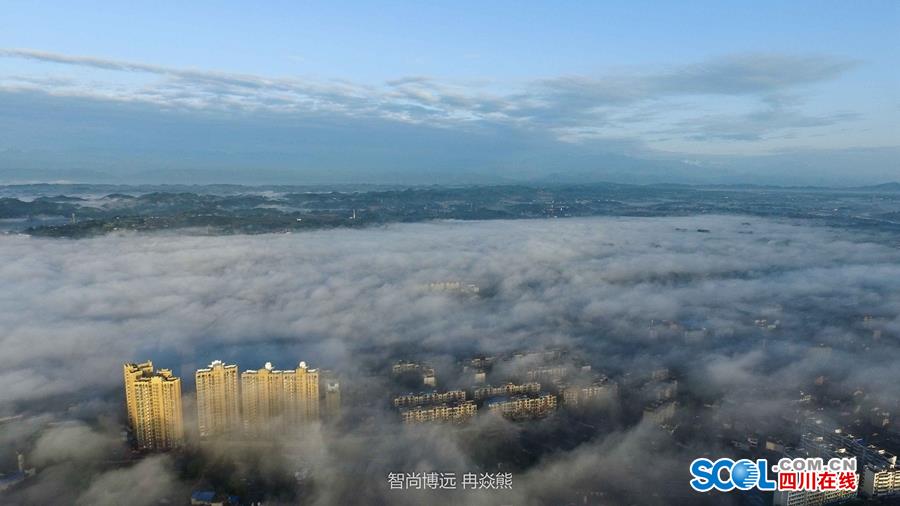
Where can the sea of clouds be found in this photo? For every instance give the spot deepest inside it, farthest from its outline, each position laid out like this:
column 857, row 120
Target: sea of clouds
column 72, row 311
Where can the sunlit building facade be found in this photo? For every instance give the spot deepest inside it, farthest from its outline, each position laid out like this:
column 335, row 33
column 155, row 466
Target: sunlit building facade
column 429, row 398
column 457, row 412
column 301, row 394
column 153, row 402
column 881, row 480
column 278, row 399
column 523, row 406
column 218, row 399
column 262, row 399
column 507, row 389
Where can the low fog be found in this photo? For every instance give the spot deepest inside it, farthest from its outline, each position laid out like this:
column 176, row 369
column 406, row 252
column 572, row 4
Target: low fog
column 351, row 301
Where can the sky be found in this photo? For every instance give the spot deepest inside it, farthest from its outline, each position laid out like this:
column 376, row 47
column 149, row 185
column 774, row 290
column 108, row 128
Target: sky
column 758, row 92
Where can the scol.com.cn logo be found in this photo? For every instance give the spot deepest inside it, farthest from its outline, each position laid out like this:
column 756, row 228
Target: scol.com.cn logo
column 809, row 474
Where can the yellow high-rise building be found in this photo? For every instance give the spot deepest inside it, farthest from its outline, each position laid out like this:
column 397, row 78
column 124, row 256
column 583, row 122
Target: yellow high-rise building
column 260, row 398
column 331, row 398
column 218, row 402
column 132, row 373
column 153, row 401
column 301, row 390
column 274, row 399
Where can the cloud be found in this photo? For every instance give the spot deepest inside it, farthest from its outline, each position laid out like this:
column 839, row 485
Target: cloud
column 745, row 74
column 751, row 73
column 145, row 483
column 351, row 301
column 778, row 116
column 71, row 442
column 557, row 103
column 112, row 119
column 72, row 307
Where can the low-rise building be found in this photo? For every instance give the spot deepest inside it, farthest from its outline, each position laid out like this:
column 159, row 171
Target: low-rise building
column 549, row 374
column 508, row 389
column 523, row 406
column 598, row 391
column 660, row 412
column 880, row 475
column 428, row 377
column 405, row 367
column 424, row 398
column 457, row 412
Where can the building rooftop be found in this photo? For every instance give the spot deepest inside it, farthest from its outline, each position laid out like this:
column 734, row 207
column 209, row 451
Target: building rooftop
column 203, row 495
column 8, row 479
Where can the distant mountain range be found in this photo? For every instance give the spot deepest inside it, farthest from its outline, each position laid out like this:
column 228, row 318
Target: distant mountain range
column 72, row 190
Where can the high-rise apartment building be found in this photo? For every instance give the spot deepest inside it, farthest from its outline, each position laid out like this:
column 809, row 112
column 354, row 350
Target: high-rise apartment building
column 275, row 399
column 331, row 406
column 153, row 401
column 133, row 372
column 261, row 394
column 302, row 394
column 218, row 399
column 332, row 398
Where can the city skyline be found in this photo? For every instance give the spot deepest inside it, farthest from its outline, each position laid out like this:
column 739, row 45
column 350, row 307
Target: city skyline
column 229, row 401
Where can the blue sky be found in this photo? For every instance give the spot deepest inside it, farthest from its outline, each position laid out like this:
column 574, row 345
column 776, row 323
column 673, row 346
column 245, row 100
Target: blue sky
column 782, row 92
